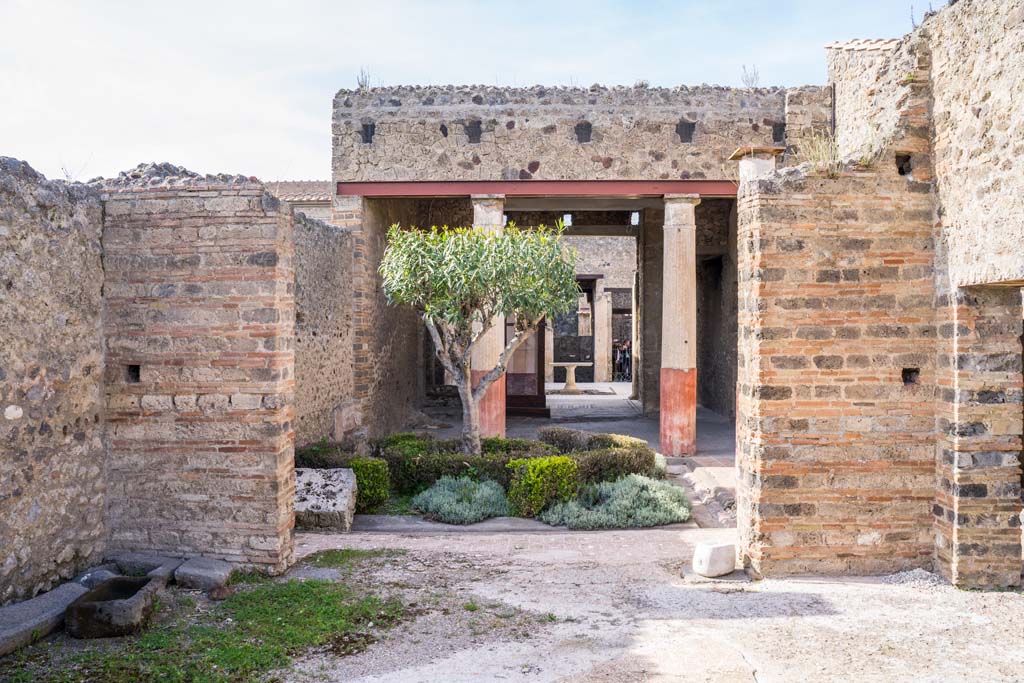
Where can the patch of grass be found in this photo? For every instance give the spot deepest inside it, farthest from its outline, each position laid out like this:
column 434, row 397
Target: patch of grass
column 471, row 606
column 252, row 632
column 396, row 504
column 345, row 557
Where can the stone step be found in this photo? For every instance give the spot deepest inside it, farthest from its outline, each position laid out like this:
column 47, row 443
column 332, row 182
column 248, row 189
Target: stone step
column 31, row 620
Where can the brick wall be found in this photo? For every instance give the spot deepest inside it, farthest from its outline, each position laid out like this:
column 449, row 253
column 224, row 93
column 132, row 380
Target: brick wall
column 52, row 488
column 387, row 340
column 323, row 328
column 835, row 433
column 198, row 327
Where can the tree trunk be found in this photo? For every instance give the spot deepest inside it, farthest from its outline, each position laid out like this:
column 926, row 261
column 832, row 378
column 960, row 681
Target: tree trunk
column 470, row 414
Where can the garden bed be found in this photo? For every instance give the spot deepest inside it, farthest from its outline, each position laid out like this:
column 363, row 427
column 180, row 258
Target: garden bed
column 565, row 478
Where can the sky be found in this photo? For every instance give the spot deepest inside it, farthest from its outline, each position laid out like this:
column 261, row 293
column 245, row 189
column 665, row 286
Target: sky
column 95, row 87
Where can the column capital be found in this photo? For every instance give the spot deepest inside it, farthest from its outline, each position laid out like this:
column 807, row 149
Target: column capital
column 693, row 199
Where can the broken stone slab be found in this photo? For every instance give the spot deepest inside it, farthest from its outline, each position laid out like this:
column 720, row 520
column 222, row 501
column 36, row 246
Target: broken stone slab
column 140, row 564
column 714, row 559
column 203, row 573
column 325, row 498
column 118, row 607
column 25, row 622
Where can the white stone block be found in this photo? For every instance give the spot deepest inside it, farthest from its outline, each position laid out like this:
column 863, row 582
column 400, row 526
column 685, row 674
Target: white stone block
column 324, row 498
column 714, row 559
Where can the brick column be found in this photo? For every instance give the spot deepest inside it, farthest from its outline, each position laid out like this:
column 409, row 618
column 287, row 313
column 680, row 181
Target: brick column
column 488, row 214
column 679, row 327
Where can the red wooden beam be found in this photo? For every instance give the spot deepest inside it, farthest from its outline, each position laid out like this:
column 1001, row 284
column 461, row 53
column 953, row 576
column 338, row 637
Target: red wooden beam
column 538, row 188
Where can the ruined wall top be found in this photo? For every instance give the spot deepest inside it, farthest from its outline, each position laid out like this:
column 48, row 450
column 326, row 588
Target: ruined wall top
column 167, row 175
column 467, row 132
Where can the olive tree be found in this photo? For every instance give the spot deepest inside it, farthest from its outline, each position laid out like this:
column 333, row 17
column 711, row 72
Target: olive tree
column 460, row 279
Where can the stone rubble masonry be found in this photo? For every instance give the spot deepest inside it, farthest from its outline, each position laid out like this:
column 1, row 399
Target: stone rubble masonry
column 836, row 416
column 199, row 381
column 492, row 133
column 52, row 487
column 386, row 340
column 323, row 327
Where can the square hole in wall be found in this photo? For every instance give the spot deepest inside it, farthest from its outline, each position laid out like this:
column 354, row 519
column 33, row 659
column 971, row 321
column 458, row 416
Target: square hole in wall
column 685, row 130
column 911, row 375
column 583, row 131
column 473, row 131
column 367, row 132
column 778, row 132
column 133, row 374
column 903, row 165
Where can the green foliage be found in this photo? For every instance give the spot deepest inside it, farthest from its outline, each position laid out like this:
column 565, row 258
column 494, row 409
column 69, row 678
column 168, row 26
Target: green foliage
column 609, row 464
column 539, row 482
column 322, row 455
column 372, row 481
column 462, row 501
column 416, row 462
column 563, row 439
column 242, row 639
column 458, row 276
column 631, row 502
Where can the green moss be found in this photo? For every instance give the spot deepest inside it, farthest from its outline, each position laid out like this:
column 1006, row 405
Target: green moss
column 347, row 557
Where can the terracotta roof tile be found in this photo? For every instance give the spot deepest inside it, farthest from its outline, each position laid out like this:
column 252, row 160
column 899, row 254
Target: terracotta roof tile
column 302, row 190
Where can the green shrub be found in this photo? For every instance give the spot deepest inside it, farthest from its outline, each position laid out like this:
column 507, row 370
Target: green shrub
column 372, row 482
column 322, row 455
column 416, row 462
column 599, row 441
column 539, row 482
column 660, row 470
column 563, row 439
column 462, row 501
column 610, row 464
column 629, row 503
column 497, row 444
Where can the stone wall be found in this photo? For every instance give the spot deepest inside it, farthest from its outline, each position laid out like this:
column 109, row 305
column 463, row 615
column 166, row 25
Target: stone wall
column 836, row 415
column 717, row 314
column 482, row 132
column 976, row 75
column 52, row 486
column 612, row 257
column 323, row 328
column 199, row 338
column 387, row 340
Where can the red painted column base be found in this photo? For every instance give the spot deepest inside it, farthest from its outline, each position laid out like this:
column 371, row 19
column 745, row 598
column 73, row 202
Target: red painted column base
column 492, row 406
column 678, row 411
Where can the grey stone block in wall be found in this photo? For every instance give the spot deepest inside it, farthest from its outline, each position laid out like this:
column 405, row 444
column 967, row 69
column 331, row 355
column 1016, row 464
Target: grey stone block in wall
column 25, row 622
column 325, row 498
column 203, row 573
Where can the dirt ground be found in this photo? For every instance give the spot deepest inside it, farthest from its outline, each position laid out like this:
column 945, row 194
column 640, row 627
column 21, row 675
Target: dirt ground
column 613, row 606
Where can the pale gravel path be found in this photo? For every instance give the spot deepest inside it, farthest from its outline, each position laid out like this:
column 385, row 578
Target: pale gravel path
column 623, row 614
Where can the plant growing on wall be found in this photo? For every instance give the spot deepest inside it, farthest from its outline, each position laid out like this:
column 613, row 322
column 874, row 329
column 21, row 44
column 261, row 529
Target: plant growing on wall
column 460, row 279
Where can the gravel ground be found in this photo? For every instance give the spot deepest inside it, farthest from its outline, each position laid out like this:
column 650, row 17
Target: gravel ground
column 612, row 606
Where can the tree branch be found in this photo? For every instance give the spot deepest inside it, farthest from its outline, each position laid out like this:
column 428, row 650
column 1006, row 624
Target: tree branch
column 510, row 348
column 442, row 349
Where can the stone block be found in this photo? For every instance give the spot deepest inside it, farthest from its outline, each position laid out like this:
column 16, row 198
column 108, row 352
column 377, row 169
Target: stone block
column 325, row 498
column 28, row 621
column 118, row 607
column 203, row 573
column 140, row 564
column 714, row 559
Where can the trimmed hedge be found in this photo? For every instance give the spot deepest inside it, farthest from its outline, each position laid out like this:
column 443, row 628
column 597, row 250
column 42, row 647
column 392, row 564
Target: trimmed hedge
column 372, row 482
column 563, row 439
column 462, row 501
column 629, row 503
column 539, row 482
column 416, row 462
column 322, row 455
column 610, row 464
